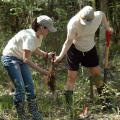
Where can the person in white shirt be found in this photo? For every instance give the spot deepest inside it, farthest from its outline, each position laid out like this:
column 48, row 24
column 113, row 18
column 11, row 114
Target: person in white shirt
column 79, row 47
column 17, row 59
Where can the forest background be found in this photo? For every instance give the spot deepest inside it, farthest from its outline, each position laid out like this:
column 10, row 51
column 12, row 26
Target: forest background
column 18, row 14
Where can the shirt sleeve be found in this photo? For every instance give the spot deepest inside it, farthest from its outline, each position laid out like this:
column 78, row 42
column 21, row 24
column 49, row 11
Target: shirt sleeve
column 71, row 31
column 29, row 43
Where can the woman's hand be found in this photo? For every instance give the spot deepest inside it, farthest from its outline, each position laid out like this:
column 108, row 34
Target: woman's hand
column 50, row 55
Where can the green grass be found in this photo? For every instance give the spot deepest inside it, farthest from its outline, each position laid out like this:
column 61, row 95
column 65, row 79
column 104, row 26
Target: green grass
column 53, row 107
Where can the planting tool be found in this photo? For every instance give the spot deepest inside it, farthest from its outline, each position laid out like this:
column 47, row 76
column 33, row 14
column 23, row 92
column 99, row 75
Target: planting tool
column 108, row 36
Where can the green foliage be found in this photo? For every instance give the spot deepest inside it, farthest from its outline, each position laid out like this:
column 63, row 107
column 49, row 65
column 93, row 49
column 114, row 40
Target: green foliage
column 18, row 14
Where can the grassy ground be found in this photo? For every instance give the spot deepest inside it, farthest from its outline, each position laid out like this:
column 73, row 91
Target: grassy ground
column 53, row 106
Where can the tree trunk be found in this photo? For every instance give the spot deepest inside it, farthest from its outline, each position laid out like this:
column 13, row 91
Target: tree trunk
column 100, row 35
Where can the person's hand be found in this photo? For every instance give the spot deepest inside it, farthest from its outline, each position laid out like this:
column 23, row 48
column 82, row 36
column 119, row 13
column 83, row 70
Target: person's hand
column 110, row 30
column 57, row 59
column 50, row 55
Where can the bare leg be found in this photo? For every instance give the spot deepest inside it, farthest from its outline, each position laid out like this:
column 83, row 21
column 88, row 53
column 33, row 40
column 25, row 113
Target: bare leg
column 71, row 79
column 69, row 87
column 96, row 78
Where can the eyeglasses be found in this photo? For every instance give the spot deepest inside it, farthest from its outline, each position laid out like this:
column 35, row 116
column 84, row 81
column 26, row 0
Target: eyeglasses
column 45, row 27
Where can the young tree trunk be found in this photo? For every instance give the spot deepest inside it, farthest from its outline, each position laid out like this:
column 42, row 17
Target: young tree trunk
column 103, row 6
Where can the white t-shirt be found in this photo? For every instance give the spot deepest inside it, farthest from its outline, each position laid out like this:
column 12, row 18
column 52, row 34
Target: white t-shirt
column 25, row 39
column 83, row 35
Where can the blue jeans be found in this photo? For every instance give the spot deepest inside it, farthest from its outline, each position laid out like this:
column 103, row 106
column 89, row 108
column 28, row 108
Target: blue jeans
column 21, row 77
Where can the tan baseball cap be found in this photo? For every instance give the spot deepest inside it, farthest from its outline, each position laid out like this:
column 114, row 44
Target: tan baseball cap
column 47, row 22
column 86, row 15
